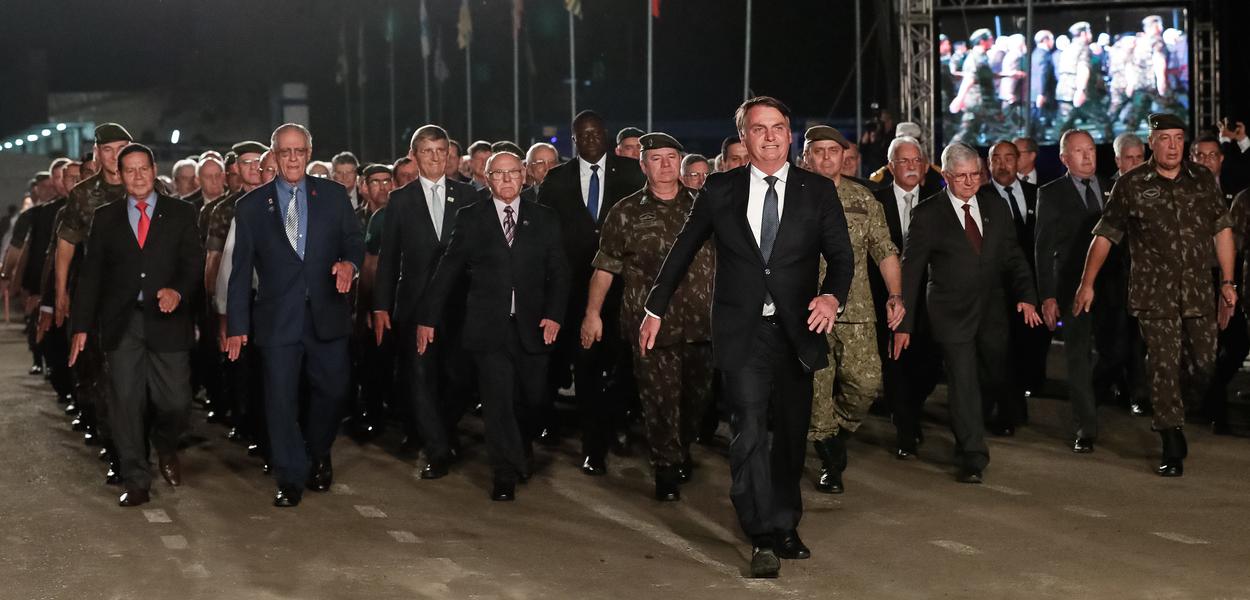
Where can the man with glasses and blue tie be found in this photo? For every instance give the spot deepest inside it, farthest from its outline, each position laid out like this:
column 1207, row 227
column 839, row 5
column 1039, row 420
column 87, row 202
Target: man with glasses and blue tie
column 303, row 240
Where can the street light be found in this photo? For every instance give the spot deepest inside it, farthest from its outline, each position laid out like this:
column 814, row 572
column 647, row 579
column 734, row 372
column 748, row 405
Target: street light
column 173, row 137
column 8, row 145
column 18, row 142
column 60, row 127
column 32, row 137
column 46, row 132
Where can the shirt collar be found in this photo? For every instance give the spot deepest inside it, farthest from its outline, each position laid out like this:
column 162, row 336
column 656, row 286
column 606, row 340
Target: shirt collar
column 150, row 199
column 602, row 162
column 957, row 202
column 781, row 173
column 900, row 192
column 500, row 204
column 427, row 184
column 284, row 187
column 1002, row 189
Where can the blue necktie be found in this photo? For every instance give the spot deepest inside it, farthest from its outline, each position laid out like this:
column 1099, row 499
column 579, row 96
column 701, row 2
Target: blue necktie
column 769, row 222
column 592, row 202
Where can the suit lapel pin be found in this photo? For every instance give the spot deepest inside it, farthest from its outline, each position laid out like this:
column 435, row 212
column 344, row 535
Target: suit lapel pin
column 450, row 199
column 525, row 222
column 270, row 204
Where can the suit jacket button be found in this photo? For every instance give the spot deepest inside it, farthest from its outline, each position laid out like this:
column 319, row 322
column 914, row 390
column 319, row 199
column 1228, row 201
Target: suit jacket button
column 142, row 275
column 768, row 271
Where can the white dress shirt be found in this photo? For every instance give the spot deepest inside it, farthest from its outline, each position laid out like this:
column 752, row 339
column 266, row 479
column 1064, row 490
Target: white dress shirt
column 1243, row 144
column 583, row 168
column 958, row 206
column 900, row 199
column 516, row 218
column 435, row 202
column 1017, row 192
column 221, row 293
column 1030, row 177
column 755, row 206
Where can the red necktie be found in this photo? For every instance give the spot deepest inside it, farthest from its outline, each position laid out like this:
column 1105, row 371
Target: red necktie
column 970, row 229
column 141, row 232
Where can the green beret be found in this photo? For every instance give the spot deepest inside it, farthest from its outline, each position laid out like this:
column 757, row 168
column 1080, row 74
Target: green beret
column 657, row 140
column 980, row 34
column 249, row 147
column 375, row 169
column 111, row 132
column 628, row 132
column 1160, row 121
column 820, row 133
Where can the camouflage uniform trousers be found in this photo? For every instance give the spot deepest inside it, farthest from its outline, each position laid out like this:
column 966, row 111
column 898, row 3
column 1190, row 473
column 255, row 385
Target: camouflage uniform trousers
column 1180, row 355
column 848, row 386
column 674, row 389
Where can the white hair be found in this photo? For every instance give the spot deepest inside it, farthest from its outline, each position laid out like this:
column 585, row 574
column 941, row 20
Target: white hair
column 691, row 159
column 205, row 160
column 186, row 162
column 958, row 153
column 1126, row 140
column 901, row 140
column 273, row 139
column 529, row 154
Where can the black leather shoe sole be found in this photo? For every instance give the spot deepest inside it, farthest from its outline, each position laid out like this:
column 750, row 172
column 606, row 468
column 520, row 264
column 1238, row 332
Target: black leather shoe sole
column 765, row 564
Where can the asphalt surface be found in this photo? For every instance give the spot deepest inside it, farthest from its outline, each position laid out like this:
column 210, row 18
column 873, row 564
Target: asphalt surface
column 1047, row 523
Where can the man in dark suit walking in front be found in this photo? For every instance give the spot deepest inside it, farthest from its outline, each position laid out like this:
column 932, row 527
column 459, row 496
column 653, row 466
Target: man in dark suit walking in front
column 518, row 283
column 968, row 248
column 582, row 191
column 303, row 240
column 1028, row 345
column 1067, row 210
column 772, row 223
column 142, row 267
column 419, row 220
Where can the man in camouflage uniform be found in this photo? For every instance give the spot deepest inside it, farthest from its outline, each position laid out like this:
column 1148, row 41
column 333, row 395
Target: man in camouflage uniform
column 976, row 97
column 1169, row 211
column 675, row 377
column 1147, row 79
column 93, row 389
column 845, row 389
column 1081, row 90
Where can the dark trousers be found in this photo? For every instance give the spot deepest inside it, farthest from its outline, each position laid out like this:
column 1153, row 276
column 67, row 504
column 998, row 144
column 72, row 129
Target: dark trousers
column 141, row 378
column 765, row 476
column 437, row 385
column 513, row 386
column 1078, row 348
column 207, row 367
column 32, row 329
column 975, row 370
column 56, row 351
column 327, row 367
column 242, row 389
column 908, row 381
column 1180, row 353
column 601, row 377
column 1026, row 372
column 1121, row 356
column 377, row 381
column 1233, row 345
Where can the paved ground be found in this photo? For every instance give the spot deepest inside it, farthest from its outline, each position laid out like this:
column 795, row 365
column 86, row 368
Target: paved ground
column 1048, row 524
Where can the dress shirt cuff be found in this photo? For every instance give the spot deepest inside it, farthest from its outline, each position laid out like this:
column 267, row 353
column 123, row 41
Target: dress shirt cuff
column 652, row 315
column 46, row 309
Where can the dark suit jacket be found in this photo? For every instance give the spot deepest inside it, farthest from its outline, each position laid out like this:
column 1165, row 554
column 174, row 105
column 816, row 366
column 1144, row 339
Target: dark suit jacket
column 562, row 191
column 1044, row 78
column 115, row 269
column 879, row 292
column 812, row 225
column 966, row 291
column 1024, row 231
column 287, row 285
column 534, row 267
column 1064, row 228
column 411, row 249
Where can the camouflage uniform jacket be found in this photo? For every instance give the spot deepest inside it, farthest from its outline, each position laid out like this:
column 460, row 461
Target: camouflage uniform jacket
column 870, row 236
column 636, row 237
column 219, row 222
column 1170, row 225
column 88, row 195
column 206, row 212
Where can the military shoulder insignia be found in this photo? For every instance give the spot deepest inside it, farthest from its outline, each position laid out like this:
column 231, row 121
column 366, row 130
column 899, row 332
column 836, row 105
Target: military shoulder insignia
column 1151, row 193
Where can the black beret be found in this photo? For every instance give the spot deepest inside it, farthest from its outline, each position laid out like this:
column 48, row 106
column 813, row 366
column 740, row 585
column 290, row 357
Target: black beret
column 821, row 133
column 658, row 140
column 628, row 132
column 231, row 158
column 249, row 147
column 375, row 169
column 111, row 132
column 506, row 146
column 1159, row 121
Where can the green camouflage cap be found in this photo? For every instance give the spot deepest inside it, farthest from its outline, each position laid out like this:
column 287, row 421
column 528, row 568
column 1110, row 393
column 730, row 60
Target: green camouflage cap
column 1161, row 121
column 821, row 133
column 658, row 140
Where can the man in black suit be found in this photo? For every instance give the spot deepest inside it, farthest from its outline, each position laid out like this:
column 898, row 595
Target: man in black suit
column 142, row 266
column 1042, row 81
column 582, row 191
column 302, row 238
column 1028, row 345
column 419, row 220
column 910, row 379
column 518, row 283
column 1067, row 210
column 770, row 314
column 968, row 247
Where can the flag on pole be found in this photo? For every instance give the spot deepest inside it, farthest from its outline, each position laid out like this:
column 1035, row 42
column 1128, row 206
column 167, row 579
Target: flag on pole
column 655, row 8
column 441, row 71
column 574, row 6
column 517, row 12
column 425, row 31
column 464, row 28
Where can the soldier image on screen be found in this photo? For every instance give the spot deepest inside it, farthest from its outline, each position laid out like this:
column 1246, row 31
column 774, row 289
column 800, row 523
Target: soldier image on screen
column 1146, row 81
column 976, row 97
column 1081, row 90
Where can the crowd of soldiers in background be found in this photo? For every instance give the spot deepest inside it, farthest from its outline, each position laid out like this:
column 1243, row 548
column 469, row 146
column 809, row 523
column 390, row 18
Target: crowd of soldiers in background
column 212, row 182
column 1102, row 82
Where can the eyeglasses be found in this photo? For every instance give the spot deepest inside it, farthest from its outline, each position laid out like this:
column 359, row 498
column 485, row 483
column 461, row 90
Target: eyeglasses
column 432, row 151
column 249, row 162
column 386, row 181
column 965, row 177
column 903, row 162
column 501, row 175
column 1201, row 156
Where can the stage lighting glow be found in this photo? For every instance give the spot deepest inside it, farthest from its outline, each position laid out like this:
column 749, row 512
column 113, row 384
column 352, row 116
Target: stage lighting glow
column 32, row 137
column 46, row 132
column 18, row 142
column 8, row 145
column 175, row 136
column 60, row 127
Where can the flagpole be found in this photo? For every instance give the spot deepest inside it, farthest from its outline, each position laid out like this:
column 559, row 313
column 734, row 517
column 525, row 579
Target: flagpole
column 746, row 65
column 468, row 93
column 572, row 71
column 516, row 78
column 390, row 38
column 650, row 60
column 360, row 80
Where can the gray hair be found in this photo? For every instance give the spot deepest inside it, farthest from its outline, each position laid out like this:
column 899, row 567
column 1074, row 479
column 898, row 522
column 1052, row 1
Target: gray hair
column 273, row 139
column 207, row 159
column 1126, row 140
column 959, row 153
column 901, row 140
column 529, row 154
column 1063, row 139
column 186, row 162
column 691, row 159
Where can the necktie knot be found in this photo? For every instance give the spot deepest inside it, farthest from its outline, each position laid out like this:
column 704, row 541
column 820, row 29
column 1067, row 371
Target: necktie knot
column 1085, row 182
column 771, row 180
column 142, row 206
column 594, row 168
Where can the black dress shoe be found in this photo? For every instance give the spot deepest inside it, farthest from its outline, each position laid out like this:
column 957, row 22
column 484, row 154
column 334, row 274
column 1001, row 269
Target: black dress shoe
column 216, row 416
column 287, row 497
column 36, row 370
column 253, row 449
column 89, row 436
column 235, row 434
column 667, row 484
column 970, row 476
column 790, row 547
column 321, row 476
column 435, row 469
column 547, row 437
column 830, row 482
column 78, row 424
column 1003, row 430
column 113, row 476
column 1138, row 409
column 764, row 563
column 685, row 471
column 134, row 498
column 503, row 491
column 171, row 469
column 905, row 453
column 594, row 466
column 1083, row 445
column 1174, row 467
column 105, row 454
column 72, row 408
column 1174, row 451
